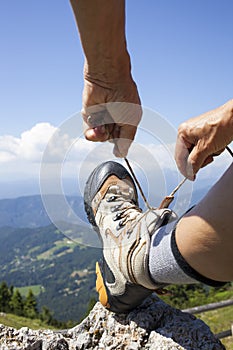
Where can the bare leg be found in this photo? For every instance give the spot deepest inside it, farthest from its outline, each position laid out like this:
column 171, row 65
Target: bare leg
column 204, row 235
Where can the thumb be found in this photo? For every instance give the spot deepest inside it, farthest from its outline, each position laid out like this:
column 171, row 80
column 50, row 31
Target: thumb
column 122, row 144
column 198, row 158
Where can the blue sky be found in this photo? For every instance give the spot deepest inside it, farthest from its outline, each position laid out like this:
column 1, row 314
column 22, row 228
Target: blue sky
column 181, row 52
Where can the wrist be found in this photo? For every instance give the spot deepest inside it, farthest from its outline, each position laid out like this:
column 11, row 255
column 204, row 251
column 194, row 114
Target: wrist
column 229, row 105
column 228, row 109
column 108, row 71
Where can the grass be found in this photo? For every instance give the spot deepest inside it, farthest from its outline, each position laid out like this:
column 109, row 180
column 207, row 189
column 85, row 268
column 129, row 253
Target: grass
column 18, row 322
column 35, row 288
column 218, row 321
column 49, row 254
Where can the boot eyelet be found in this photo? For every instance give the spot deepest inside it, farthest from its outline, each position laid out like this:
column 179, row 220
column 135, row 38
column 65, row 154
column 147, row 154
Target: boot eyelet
column 120, row 225
column 111, row 199
column 115, row 208
column 129, row 231
column 117, row 217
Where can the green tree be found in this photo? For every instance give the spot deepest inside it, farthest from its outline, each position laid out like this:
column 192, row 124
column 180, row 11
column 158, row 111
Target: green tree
column 5, row 297
column 186, row 295
column 46, row 315
column 30, row 305
column 90, row 305
column 17, row 303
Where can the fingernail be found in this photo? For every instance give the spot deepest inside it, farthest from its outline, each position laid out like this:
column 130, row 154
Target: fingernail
column 100, row 129
column 89, row 120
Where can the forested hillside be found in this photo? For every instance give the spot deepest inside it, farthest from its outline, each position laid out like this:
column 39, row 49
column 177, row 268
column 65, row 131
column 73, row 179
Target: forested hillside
column 60, row 271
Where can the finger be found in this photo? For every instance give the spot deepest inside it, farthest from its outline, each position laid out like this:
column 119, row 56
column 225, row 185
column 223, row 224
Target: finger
column 196, row 160
column 182, row 151
column 218, row 152
column 96, row 124
column 96, row 111
column 98, row 133
column 208, row 160
column 126, row 137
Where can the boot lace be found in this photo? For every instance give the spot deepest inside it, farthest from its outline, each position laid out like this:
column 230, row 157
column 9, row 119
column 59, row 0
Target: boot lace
column 125, row 208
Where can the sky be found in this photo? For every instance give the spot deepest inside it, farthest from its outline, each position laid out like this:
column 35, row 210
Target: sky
column 182, row 62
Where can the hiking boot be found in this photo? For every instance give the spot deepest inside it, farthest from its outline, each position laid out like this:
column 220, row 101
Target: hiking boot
column 111, row 203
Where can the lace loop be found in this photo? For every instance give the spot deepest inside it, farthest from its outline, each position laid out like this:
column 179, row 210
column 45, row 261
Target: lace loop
column 126, row 209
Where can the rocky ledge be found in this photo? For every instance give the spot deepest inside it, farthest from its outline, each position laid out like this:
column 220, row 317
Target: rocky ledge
column 154, row 325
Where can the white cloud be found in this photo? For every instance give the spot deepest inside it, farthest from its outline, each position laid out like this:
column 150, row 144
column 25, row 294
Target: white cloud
column 48, row 144
column 29, row 146
column 64, row 155
column 8, row 148
column 43, row 139
column 57, row 149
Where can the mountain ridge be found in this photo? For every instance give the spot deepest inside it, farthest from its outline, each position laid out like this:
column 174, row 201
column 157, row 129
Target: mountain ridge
column 29, row 211
column 33, row 251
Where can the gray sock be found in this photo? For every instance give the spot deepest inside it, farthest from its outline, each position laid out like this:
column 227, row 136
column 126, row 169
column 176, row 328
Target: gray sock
column 163, row 266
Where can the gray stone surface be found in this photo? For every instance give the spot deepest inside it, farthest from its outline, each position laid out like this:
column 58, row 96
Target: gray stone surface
column 154, row 325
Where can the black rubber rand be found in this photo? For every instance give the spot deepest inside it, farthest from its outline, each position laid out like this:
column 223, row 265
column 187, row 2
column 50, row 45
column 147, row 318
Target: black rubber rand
column 133, row 295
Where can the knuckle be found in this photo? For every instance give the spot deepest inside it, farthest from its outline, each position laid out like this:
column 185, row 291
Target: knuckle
column 183, row 127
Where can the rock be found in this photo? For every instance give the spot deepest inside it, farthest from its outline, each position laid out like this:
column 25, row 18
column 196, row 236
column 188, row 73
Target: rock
column 153, row 325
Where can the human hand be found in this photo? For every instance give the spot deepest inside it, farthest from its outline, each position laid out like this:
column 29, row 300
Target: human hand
column 111, row 111
column 200, row 139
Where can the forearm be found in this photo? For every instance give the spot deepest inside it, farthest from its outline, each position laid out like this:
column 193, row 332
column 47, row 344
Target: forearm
column 101, row 25
column 204, row 235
